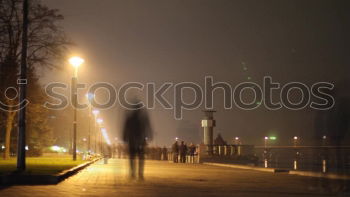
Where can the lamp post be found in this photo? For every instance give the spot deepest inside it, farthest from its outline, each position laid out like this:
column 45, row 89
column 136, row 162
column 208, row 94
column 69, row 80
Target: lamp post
column 89, row 97
column 265, row 141
column 95, row 112
column 100, row 121
column 75, row 62
column 21, row 142
column 265, row 152
column 295, row 140
column 324, row 140
column 236, row 141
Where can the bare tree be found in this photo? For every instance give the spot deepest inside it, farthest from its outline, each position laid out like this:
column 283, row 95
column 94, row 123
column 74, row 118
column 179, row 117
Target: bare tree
column 46, row 46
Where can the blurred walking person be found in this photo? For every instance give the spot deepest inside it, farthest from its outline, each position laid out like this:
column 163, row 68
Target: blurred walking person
column 183, row 152
column 137, row 130
column 191, row 151
column 175, row 150
column 164, row 153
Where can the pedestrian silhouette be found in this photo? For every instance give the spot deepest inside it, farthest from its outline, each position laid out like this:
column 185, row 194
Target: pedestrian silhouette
column 183, row 152
column 164, row 153
column 175, row 150
column 137, row 130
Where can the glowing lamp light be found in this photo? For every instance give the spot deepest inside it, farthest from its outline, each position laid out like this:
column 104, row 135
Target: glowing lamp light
column 55, row 148
column 266, row 138
column 99, row 120
column 95, row 112
column 26, row 147
column 324, row 137
column 295, row 137
column 90, row 96
column 76, row 61
column 236, row 138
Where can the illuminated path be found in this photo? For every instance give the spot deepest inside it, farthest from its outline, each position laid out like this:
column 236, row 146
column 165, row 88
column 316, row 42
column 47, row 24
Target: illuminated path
column 168, row 179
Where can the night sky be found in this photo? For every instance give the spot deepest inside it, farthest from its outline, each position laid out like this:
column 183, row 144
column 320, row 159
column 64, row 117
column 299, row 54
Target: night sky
column 174, row 41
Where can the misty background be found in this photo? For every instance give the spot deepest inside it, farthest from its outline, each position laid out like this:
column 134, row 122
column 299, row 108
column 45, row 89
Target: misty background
column 233, row 41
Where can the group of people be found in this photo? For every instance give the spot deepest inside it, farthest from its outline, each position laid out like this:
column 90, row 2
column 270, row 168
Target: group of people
column 151, row 152
column 181, row 151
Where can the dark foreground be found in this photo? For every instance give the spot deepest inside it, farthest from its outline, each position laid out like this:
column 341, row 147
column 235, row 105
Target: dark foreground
column 168, row 179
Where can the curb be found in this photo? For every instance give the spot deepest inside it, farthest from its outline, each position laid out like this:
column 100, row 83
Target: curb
column 20, row 179
column 273, row 170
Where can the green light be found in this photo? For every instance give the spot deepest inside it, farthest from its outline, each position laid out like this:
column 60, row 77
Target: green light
column 273, row 138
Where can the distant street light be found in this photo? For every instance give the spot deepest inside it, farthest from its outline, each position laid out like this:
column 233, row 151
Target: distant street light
column 95, row 112
column 295, row 140
column 324, row 138
column 99, row 120
column 236, row 141
column 265, row 141
column 75, row 62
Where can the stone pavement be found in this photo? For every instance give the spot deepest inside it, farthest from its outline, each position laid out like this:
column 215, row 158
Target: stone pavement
column 169, row 179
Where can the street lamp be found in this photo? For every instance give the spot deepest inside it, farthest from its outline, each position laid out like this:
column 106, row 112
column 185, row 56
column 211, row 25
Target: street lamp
column 89, row 97
column 295, row 140
column 324, row 138
column 100, row 121
column 265, row 141
column 75, row 62
column 95, row 112
column 236, row 140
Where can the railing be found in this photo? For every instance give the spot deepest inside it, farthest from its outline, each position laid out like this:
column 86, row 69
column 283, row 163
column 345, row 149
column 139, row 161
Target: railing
column 311, row 158
column 228, row 150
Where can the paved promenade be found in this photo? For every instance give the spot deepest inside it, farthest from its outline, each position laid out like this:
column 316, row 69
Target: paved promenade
column 168, row 179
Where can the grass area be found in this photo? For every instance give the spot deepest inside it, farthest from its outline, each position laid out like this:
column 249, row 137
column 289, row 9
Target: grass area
column 41, row 165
